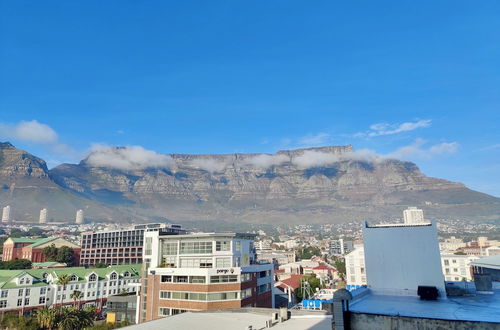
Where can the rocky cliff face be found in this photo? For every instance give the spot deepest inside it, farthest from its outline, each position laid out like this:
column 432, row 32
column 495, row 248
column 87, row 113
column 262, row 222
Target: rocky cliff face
column 305, row 185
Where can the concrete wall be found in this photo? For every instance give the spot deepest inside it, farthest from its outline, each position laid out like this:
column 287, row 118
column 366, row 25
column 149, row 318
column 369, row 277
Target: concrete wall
column 384, row 322
column 400, row 258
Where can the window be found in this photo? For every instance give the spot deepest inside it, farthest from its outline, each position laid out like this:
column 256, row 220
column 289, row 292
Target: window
column 3, row 303
column 73, row 278
column 93, row 277
column 223, row 278
column 177, row 311
column 21, row 281
column 164, row 311
column 246, row 293
column 222, row 296
column 197, row 279
column 20, row 293
column 126, row 274
column 148, row 250
column 196, row 247
column 28, row 280
column 238, row 245
column 222, row 245
column 5, row 293
column 169, row 261
column 113, row 276
column 446, row 262
column 180, row 279
column 263, row 288
column 28, row 291
column 41, row 300
column 19, row 302
column 26, row 301
column 245, row 277
column 169, row 249
column 196, row 263
column 166, row 278
column 164, row 294
column 454, row 261
column 223, row 262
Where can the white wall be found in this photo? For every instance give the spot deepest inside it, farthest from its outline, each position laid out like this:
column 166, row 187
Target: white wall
column 400, row 258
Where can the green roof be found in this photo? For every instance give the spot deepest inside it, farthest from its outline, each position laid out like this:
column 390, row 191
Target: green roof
column 46, row 264
column 6, row 276
column 41, row 241
column 24, row 240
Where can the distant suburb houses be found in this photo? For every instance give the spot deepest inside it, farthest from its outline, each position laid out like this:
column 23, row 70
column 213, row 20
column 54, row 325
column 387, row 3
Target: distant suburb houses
column 25, row 290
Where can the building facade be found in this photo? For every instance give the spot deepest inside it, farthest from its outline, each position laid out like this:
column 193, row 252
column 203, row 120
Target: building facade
column 26, row 290
column 119, row 247
column 412, row 215
column 32, row 248
column 206, row 271
column 341, row 247
column 457, row 267
column 355, row 267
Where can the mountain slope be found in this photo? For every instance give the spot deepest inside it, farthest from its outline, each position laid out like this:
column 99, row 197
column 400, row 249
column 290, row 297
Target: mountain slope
column 314, row 185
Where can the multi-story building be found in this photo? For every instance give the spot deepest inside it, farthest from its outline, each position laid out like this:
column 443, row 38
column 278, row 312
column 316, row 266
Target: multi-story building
column 25, row 290
column 355, row 267
column 117, row 247
column 412, row 215
column 451, row 244
column 32, row 248
column 205, row 271
column 341, row 247
column 457, row 267
column 6, row 214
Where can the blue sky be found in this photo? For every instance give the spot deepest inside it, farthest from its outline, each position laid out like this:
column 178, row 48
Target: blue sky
column 417, row 80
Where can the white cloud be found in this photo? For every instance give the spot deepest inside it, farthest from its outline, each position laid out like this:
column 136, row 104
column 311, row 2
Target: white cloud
column 210, row 165
column 311, row 158
column 379, row 129
column 418, row 150
column 314, row 140
column 29, row 131
column 127, row 158
column 444, row 148
column 265, row 161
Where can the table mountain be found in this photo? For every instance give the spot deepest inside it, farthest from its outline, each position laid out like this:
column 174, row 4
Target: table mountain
column 314, row 185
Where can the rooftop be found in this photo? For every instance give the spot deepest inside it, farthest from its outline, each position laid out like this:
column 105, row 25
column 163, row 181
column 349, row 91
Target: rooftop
column 238, row 319
column 492, row 262
column 228, row 234
column 479, row 307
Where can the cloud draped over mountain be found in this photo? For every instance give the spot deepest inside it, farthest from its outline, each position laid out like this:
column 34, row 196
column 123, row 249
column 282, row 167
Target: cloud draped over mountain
column 127, row 158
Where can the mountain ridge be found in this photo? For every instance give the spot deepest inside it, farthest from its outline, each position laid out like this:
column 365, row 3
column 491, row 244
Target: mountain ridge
column 318, row 185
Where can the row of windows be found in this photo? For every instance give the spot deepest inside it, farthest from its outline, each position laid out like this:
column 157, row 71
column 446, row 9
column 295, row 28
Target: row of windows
column 199, row 279
column 197, row 247
column 164, row 311
column 200, row 296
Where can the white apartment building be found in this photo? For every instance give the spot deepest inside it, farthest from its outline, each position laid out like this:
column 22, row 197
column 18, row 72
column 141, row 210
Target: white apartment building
column 412, row 215
column 203, row 271
column 355, row 267
column 457, row 267
column 451, row 244
column 29, row 289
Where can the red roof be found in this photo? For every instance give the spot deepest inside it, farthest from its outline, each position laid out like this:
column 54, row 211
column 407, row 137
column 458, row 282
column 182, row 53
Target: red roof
column 323, row 267
column 292, row 282
column 279, row 271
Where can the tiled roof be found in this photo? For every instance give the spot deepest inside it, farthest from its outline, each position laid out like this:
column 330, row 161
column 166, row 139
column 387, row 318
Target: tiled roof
column 6, row 276
column 24, row 240
column 293, row 282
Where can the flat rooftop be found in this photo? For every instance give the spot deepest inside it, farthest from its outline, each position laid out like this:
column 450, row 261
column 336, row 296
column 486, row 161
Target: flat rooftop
column 479, row 307
column 237, row 319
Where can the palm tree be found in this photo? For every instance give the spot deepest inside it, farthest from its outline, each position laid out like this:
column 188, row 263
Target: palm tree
column 63, row 280
column 46, row 318
column 76, row 295
column 69, row 319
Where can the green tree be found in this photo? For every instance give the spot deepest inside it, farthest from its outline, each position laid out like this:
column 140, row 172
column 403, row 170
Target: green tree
column 63, row 254
column 63, row 280
column 314, row 283
column 16, row 264
column 340, row 266
column 46, row 318
column 76, row 296
column 308, row 252
column 50, row 252
column 100, row 265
